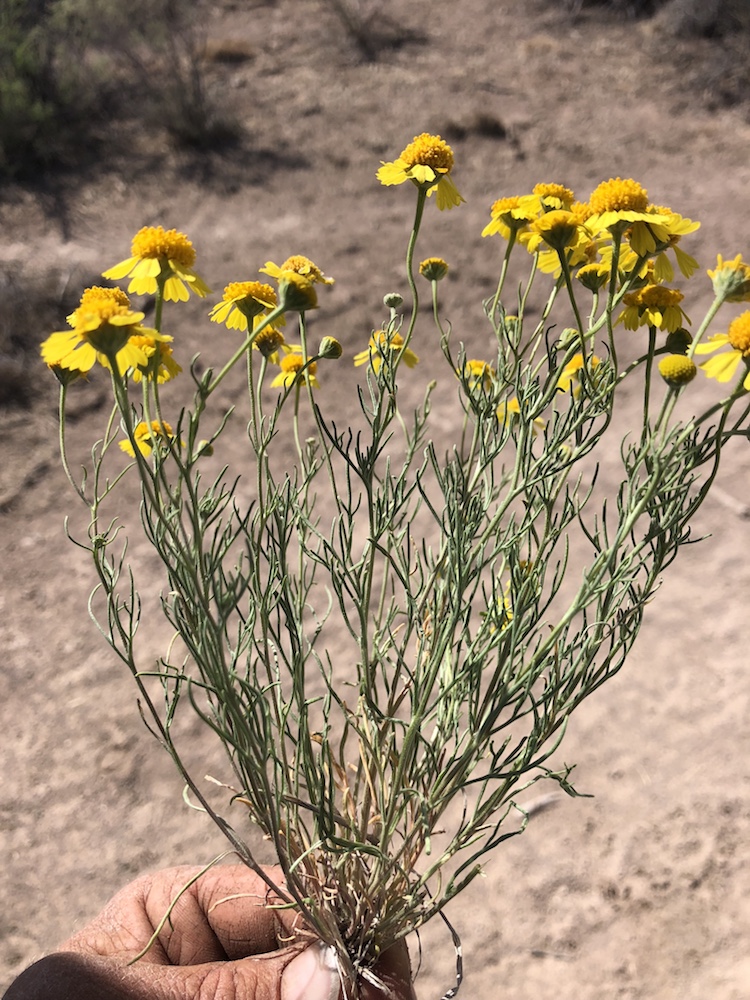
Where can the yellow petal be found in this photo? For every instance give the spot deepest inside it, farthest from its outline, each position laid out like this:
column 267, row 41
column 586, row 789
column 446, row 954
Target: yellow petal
column 423, row 174
column 390, row 173
column 447, row 193
column 121, row 270
column 722, row 366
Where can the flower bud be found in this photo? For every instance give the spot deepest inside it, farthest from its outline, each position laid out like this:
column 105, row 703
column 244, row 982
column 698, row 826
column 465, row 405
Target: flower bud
column 678, row 341
column 204, row 449
column 330, row 348
column 677, row 370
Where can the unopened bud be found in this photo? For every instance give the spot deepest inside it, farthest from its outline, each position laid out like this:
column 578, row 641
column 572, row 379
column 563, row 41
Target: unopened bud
column 330, row 348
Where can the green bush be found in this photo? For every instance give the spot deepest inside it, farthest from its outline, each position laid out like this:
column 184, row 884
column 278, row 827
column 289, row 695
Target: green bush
column 70, row 67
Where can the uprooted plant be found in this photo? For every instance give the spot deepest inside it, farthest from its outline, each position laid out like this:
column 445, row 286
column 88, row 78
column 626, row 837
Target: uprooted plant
column 390, row 636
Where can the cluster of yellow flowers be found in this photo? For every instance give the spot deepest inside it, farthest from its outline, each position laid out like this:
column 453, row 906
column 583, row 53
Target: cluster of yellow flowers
column 619, row 237
column 616, row 238
column 106, row 329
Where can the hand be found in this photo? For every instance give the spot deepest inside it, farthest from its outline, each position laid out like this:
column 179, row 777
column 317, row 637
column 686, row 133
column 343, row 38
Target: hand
column 223, row 942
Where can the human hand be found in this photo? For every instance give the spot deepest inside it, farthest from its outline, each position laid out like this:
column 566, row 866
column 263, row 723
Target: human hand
column 223, row 942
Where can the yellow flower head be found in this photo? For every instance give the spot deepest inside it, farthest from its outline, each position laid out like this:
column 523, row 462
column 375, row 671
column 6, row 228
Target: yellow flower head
column 65, row 375
column 622, row 206
column 103, row 326
column 160, row 257
column 723, row 367
column 479, row 374
column 738, row 334
column 269, row 342
column 150, row 436
column 242, row 300
column 557, row 228
column 510, row 215
column 553, row 196
column 427, row 161
column 593, row 276
column 160, row 364
column 296, row 292
column 297, row 277
column 300, row 265
column 618, row 195
column 674, row 227
column 677, row 370
column 433, row 268
column 294, row 372
column 102, row 302
column 731, row 279
column 381, row 342
column 571, row 373
column 653, row 305
column 509, row 413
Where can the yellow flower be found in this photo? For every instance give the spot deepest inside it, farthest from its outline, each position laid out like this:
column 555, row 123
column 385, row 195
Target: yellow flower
column 594, row 276
column 510, row 215
column 731, row 279
column 160, row 363
column 297, row 277
column 562, row 230
column 296, row 292
column 427, row 161
column 622, row 206
column 572, row 372
column 433, row 268
column 553, row 196
column 160, row 256
column 677, row 370
column 65, row 375
column 149, row 436
column 557, row 228
column 294, row 372
column 479, row 374
column 723, row 366
column 653, row 305
column 242, row 300
column 618, row 196
column 103, row 325
column 676, row 226
column 510, row 411
column 380, row 342
column 300, row 265
column 269, row 341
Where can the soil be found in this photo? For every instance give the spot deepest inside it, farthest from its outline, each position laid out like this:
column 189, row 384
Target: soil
column 642, row 890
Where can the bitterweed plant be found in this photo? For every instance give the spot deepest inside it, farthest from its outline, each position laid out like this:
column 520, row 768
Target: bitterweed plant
column 389, row 633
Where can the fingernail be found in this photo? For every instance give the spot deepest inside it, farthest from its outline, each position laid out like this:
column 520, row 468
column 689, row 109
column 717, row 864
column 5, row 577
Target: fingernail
column 311, row 975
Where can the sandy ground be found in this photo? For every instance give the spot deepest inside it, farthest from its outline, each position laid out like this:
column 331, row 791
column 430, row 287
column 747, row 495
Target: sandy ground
column 641, row 891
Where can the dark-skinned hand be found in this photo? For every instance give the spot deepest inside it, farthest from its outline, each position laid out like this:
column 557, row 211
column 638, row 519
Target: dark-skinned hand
column 223, row 942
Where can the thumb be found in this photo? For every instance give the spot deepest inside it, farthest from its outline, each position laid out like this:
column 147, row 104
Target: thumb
column 311, row 975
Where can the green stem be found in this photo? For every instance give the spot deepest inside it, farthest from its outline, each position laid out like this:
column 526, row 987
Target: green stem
column 63, row 448
column 503, row 274
column 421, row 199
column 246, row 345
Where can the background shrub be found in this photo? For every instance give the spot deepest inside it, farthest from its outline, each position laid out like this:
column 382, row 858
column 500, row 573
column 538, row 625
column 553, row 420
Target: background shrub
column 72, row 70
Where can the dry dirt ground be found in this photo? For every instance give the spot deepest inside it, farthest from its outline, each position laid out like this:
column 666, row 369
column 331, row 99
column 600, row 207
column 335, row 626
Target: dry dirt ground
column 643, row 890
